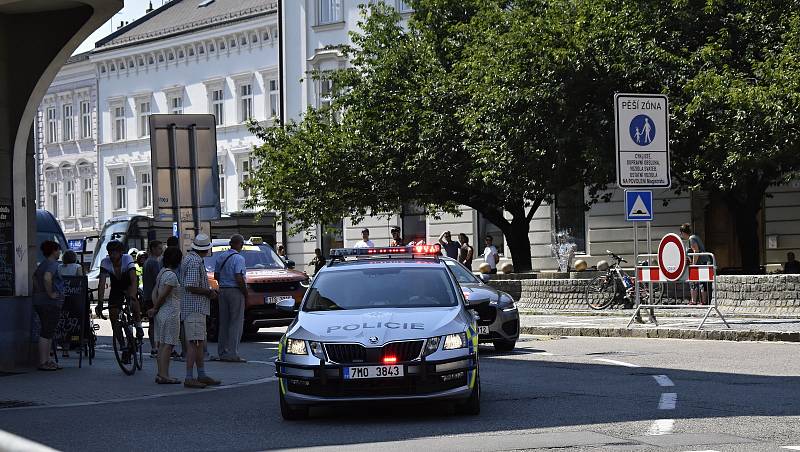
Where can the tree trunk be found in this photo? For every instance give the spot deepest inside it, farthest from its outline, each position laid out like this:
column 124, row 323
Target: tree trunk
column 519, row 243
column 745, row 214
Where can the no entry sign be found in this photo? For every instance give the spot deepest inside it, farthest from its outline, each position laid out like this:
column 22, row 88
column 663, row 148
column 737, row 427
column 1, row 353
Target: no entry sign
column 671, row 257
column 642, row 138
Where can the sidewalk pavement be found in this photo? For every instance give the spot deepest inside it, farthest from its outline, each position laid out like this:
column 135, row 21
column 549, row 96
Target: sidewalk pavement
column 104, row 382
column 672, row 324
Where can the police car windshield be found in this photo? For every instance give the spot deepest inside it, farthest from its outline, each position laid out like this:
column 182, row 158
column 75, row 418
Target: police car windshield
column 255, row 257
column 368, row 288
column 463, row 276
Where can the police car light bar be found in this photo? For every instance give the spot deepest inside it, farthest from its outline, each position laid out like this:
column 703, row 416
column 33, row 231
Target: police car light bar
column 414, row 250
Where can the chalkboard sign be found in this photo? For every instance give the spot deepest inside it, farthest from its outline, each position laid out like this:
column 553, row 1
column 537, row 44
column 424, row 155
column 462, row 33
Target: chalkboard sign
column 6, row 250
column 73, row 322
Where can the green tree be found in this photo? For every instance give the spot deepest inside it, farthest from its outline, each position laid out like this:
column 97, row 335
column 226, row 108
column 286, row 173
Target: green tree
column 489, row 104
column 730, row 69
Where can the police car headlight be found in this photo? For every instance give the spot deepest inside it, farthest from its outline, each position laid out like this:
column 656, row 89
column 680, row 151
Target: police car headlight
column 454, row 341
column 432, row 344
column 296, row 347
column 316, row 350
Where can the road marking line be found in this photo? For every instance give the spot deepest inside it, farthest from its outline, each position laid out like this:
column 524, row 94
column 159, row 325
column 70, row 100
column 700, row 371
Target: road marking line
column 791, row 447
column 661, row 427
column 12, row 442
column 618, row 363
column 146, row 397
column 543, row 353
column 663, row 380
column 668, row 401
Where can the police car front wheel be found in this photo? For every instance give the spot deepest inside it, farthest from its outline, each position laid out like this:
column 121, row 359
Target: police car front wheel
column 471, row 406
column 292, row 413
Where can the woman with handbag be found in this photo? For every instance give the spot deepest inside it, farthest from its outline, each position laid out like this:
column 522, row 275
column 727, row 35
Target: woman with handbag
column 167, row 312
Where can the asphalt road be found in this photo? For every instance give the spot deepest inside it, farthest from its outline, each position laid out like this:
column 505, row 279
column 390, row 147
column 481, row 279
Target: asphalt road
column 566, row 393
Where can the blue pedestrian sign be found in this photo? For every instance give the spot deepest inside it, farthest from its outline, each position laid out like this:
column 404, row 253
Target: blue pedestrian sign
column 75, row 245
column 638, row 205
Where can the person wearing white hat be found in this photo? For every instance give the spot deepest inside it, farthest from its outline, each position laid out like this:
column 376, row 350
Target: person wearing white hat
column 195, row 307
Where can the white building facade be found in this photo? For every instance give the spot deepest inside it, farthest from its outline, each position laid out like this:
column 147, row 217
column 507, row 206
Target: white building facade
column 65, row 132
column 217, row 57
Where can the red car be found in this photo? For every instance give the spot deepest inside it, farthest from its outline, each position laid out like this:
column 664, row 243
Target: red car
column 269, row 280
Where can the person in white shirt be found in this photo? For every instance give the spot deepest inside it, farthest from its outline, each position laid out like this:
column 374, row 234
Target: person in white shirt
column 365, row 242
column 490, row 254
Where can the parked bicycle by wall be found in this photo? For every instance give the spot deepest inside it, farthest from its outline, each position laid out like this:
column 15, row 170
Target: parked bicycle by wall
column 615, row 287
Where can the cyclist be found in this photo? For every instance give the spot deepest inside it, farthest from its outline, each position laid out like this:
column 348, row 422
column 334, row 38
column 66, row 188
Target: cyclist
column 119, row 269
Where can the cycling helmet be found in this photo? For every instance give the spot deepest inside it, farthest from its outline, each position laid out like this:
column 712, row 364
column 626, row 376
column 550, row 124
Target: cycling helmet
column 114, row 245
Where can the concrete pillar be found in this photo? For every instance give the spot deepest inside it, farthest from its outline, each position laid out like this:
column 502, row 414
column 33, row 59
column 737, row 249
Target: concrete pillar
column 36, row 38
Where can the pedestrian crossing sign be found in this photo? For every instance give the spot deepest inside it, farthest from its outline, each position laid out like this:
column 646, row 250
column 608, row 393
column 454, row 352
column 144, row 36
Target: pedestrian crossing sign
column 638, row 205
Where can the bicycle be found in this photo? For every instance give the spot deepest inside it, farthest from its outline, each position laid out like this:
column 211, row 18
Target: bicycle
column 126, row 342
column 616, row 287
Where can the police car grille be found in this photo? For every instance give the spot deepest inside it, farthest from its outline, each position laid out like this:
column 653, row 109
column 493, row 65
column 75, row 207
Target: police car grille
column 356, row 353
column 346, row 353
column 403, row 351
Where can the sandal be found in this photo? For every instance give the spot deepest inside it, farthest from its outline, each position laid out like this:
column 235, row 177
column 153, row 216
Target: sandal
column 166, row 381
column 48, row 366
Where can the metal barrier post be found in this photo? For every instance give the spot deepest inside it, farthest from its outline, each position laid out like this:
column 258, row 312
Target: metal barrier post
column 700, row 274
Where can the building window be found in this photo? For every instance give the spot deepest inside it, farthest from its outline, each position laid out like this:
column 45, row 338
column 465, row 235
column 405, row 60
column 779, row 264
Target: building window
column 88, row 197
column 485, row 227
column 86, row 119
column 218, row 106
column 144, row 119
column 69, row 192
column 570, row 216
column 332, row 237
column 403, row 6
column 53, row 192
column 325, row 92
column 244, row 176
column 329, row 11
column 274, row 98
column 414, row 223
column 145, row 191
column 119, row 123
column 221, row 170
column 120, row 192
column 52, row 128
column 176, row 105
column 68, row 124
column 246, row 101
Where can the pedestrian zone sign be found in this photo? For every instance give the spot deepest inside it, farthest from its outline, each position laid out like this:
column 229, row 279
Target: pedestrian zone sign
column 642, row 139
column 638, row 205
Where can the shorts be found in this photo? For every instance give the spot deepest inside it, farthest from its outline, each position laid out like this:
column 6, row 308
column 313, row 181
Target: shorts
column 48, row 318
column 194, row 326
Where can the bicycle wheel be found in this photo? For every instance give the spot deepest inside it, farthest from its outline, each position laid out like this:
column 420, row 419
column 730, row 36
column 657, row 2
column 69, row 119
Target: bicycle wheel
column 600, row 292
column 124, row 344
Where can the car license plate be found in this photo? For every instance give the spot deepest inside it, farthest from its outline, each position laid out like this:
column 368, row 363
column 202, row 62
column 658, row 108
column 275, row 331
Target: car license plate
column 355, row 373
column 483, row 330
column 275, row 300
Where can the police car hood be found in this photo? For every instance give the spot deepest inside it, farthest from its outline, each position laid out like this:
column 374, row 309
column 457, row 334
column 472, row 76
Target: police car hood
column 387, row 324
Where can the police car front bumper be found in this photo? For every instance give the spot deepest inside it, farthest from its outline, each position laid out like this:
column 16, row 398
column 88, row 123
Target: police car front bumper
column 449, row 379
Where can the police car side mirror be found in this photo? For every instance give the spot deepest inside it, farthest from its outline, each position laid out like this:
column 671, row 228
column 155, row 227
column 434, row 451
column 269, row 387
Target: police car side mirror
column 290, row 265
column 285, row 305
column 473, row 302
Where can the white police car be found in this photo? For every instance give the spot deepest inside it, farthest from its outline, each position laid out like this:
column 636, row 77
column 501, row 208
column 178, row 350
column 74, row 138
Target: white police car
column 380, row 324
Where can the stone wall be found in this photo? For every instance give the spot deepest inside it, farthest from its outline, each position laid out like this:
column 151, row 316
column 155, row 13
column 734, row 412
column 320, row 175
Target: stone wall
column 764, row 294
column 761, row 294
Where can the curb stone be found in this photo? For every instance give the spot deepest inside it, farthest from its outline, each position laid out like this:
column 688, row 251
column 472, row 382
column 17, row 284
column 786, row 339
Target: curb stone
column 665, row 333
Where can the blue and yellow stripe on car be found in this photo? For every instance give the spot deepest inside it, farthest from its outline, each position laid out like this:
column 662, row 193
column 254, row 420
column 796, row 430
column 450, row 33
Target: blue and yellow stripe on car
column 281, row 357
column 472, row 343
